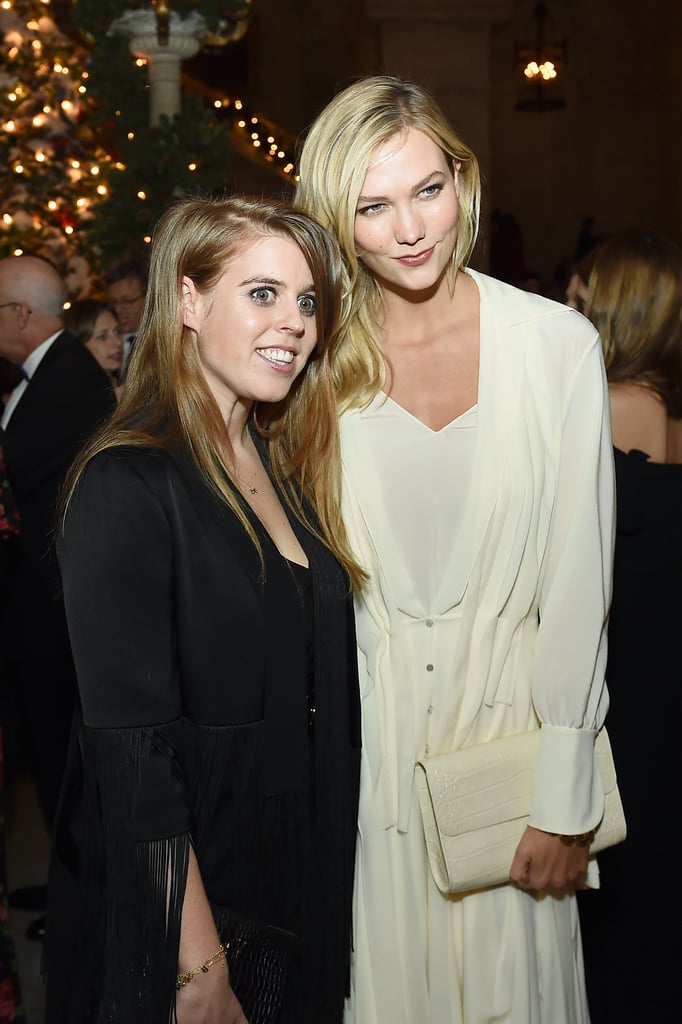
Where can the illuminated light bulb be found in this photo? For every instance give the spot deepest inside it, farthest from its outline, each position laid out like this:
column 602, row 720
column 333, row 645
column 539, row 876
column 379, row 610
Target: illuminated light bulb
column 68, row 230
column 254, row 120
column 82, row 89
column 37, row 45
column 131, row 136
column 52, row 205
column 192, row 166
column 140, row 62
column 101, row 190
column 33, row 25
column 81, row 202
column 10, row 126
column 270, row 139
column 75, row 164
column 238, row 104
column 531, row 70
column 254, row 135
column 147, row 239
column 256, row 143
column 94, row 170
column 241, row 124
column 119, row 166
column 18, row 252
column 288, row 168
column 18, row 168
column 217, row 104
column 57, row 66
column 7, row 218
column 13, row 52
column 86, row 74
column 40, row 157
column 141, row 194
column 67, row 106
column 281, row 154
column 47, row 109
column 6, row 5
column 38, row 121
column 12, row 96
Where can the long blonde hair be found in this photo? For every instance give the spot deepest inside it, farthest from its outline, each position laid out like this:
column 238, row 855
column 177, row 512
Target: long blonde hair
column 635, row 301
column 333, row 162
column 166, row 402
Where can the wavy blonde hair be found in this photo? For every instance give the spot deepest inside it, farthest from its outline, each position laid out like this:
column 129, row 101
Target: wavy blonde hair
column 166, row 402
column 333, row 162
column 635, row 301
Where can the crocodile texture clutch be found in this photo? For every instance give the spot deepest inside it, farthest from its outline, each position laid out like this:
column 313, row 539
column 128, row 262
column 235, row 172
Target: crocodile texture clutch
column 475, row 803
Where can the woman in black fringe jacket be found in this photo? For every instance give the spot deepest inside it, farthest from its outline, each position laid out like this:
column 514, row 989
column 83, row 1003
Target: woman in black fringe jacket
column 203, row 859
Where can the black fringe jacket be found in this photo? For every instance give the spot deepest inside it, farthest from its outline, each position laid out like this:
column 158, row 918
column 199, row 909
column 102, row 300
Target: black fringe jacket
column 195, row 684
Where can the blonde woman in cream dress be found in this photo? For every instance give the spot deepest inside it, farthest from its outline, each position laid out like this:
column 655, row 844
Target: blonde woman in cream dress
column 478, row 495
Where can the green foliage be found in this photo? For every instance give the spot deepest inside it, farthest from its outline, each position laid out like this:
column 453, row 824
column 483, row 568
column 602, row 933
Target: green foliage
column 143, row 160
column 153, row 168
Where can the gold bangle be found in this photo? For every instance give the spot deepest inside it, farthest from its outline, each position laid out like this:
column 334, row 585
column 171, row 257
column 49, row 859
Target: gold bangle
column 184, row 979
column 583, row 839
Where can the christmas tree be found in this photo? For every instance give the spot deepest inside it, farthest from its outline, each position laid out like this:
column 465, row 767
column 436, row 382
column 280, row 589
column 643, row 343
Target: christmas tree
column 49, row 163
column 81, row 171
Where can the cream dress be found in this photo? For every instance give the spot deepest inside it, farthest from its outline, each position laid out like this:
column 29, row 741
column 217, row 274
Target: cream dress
column 485, row 616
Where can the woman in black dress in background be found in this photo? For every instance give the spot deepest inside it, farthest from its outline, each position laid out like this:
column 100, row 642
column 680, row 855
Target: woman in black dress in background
column 630, row 924
column 212, row 794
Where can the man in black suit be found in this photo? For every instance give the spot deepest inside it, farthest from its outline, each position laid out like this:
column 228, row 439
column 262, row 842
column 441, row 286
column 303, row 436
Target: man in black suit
column 61, row 400
column 127, row 287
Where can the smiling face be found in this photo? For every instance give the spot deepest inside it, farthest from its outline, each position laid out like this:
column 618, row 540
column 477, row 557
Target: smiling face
column 105, row 342
column 406, row 220
column 257, row 327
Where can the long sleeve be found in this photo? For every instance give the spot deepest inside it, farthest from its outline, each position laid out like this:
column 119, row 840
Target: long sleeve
column 569, row 691
column 116, row 559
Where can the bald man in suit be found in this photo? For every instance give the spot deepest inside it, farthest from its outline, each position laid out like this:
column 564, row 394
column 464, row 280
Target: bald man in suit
column 60, row 402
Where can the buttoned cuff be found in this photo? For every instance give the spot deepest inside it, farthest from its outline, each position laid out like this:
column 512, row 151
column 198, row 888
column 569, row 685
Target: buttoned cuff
column 568, row 796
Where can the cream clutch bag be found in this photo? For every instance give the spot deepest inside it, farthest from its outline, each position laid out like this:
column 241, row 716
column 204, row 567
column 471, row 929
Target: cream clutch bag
column 475, row 803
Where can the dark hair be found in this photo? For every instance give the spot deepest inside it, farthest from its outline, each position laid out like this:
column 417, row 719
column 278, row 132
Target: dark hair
column 128, row 268
column 81, row 316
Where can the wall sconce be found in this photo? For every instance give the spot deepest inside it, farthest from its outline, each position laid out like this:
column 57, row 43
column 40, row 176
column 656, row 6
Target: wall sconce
column 540, row 66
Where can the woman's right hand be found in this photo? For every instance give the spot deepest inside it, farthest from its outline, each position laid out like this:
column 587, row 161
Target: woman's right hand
column 209, row 999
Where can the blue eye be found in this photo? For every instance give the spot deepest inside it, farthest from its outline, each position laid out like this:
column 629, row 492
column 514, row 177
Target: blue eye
column 307, row 305
column 431, row 190
column 373, row 208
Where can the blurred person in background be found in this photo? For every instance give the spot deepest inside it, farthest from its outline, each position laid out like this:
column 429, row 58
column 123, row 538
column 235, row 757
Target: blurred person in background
column 634, row 298
column 96, row 326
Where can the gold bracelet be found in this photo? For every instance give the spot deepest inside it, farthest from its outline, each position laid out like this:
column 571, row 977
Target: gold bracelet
column 583, row 839
column 184, row 979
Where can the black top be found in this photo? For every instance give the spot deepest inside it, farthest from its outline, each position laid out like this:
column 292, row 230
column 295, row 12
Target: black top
column 193, row 671
column 631, row 963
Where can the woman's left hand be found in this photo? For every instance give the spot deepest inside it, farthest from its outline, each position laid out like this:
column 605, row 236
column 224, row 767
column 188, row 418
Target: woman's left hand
column 542, row 861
